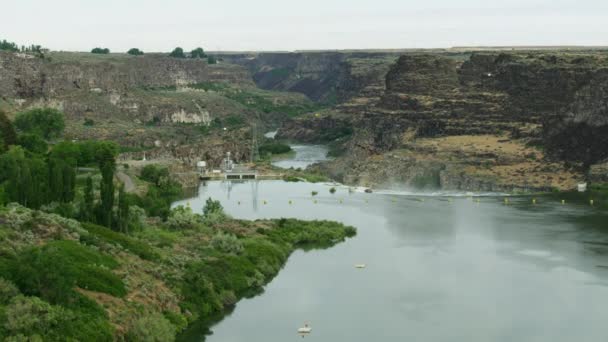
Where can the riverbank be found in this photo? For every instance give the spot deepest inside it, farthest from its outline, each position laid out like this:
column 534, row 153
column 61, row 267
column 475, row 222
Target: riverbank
column 153, row 282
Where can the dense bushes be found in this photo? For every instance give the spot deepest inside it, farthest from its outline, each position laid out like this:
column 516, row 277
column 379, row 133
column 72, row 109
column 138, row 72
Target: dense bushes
column 45, row 122
column 162, row 192
column 135, row 52
column 154, row 173
column 178, row 52
column 274, row 148
column 135, row 246
column 226, row 243
column 52, row 272
column 198, row 53
column 5, row 45
column 152, row 328
column 302, row 233
column 183, row 218
column 103, row 51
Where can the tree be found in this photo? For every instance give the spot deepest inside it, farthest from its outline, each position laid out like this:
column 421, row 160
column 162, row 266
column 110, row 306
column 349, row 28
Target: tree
column 46, row 122
column 105, row 157
column 123, row 210
column 33, row 143
column 8, row 46
column 211, row 60
column 7, row 131
column 103, row 51
column 198, row 53
column 178, row 52
column 17, row 177
column 88, row 204
column 135, row 52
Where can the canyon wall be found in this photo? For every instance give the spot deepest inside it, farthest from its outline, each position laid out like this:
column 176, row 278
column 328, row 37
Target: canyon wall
column 541, row 117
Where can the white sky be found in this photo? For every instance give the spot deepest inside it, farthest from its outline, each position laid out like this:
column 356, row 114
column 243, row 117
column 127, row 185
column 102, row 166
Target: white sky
column 156, row 25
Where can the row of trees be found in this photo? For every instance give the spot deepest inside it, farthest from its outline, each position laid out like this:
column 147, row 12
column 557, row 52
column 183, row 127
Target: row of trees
column 178, row 52
column 101, row 51
column 34, row 175
column 36, row 50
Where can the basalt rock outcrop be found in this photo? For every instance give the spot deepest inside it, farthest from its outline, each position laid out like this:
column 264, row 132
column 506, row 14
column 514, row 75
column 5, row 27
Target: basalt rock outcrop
column 24, row 77
column 544, row 115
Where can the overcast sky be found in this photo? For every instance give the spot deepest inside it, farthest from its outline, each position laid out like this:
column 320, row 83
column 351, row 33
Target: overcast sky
column 155, row 25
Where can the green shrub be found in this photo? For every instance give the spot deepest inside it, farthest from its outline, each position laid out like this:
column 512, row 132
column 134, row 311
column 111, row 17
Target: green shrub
column 45, row 122
column 135, row 246
column 274, row 148
column 152, row 328
column 8, row 291
column 98, row 50
column 154, row 173
column 178, row 52
column 32, row 319
column 33, row 143
column 198, row 53
column 183, row 218
column 290, row 178
column 52, row 272
column 31, row 315
column 226, row 243
column 135, row 52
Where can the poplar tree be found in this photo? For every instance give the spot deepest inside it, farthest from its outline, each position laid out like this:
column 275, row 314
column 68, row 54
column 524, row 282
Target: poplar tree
column 86, row 210
column 123, row 210
column 107, row 165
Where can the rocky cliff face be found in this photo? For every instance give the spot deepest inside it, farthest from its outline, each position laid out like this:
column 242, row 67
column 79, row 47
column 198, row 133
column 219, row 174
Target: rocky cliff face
column 555, row 100
column 327, row 77
column 22, row 77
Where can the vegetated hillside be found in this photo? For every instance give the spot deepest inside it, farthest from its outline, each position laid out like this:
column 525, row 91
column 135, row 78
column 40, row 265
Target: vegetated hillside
column 61, row 279
column 93, row 251
column 543, row 115
column 146, row 102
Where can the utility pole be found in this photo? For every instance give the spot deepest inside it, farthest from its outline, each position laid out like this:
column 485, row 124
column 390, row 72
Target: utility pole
column 254, row 143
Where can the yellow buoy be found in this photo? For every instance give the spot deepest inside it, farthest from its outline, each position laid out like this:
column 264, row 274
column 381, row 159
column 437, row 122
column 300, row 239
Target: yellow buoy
column 534, row 201
column 506, row 200
column 591, row 202
column 563, row 201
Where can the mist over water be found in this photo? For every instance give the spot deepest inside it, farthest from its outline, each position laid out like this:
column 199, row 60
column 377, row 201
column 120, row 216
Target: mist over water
column 438, row 268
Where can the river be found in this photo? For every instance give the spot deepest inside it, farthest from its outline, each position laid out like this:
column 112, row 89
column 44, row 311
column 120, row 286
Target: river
column 303, row 155
column 438, row 268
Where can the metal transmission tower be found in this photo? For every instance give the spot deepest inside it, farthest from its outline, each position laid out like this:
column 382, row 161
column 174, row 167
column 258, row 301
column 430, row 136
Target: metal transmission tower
column 254, row 144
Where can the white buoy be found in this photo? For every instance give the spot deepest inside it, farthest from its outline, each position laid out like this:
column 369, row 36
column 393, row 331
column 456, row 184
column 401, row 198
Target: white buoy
column 306, row 329
column 360, row 266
